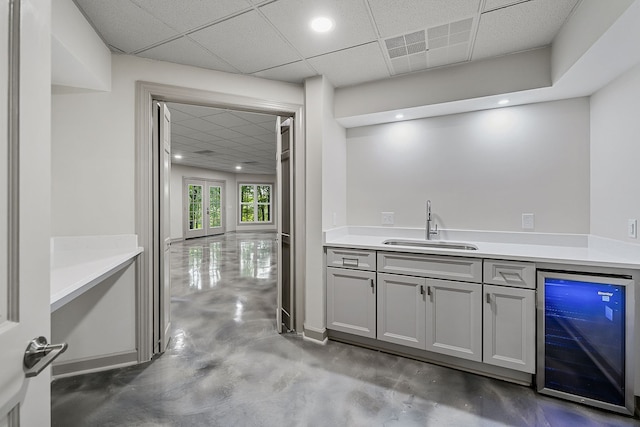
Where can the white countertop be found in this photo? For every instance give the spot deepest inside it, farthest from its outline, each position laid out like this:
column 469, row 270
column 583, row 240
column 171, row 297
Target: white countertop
column 80, row 263
column 537, row 247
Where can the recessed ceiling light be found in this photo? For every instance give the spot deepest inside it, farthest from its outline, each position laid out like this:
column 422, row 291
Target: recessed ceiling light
column 321, row 24
column 503, row 102
column 238, row 167
column 177, row 156
column 399, row 116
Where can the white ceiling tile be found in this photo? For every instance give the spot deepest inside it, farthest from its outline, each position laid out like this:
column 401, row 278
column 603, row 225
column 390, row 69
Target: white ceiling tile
column 228, row 134
column 356, row 65
column 226, row 119
column 252, row 130
column 185, row 15
column 125, row 25
column 437, row 58
column 247, row 42
column 261, row 119
column 176, row 115
column 292, row 18
column 497, row 4
column 401, row 65
column 268, row 138
column 458, row 53
column 178, row 129
column 292, row 73
column 186, row 51
column 200, row 124
column 393, row 19
column 520, row 27
column 193, row 110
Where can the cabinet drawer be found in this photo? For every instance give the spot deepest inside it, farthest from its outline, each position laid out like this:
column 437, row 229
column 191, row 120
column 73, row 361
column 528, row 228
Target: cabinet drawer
column 445, row 267
column 510, row 273
column 351, row 258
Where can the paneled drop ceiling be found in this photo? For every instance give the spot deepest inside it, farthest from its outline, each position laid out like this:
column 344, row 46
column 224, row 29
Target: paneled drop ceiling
column 371, row 40
column 222, row 140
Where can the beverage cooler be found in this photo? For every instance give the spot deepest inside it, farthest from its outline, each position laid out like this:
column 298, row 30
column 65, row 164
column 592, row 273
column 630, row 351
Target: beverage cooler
column 585, row 339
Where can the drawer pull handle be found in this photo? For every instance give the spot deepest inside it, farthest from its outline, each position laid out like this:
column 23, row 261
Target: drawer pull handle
column 349, row 262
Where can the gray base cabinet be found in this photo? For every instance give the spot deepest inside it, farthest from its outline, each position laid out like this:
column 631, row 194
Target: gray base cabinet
column 454, row 318
column 468, row 308
column 509, row 328
column 351, row 301
column 401, row 310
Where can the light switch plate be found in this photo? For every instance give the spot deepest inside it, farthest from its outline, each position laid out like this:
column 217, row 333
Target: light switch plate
column 387, row 218
column 528, row 221
column 632, row 228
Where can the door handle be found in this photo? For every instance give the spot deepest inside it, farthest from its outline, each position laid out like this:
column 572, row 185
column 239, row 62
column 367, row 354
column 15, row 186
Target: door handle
column 421, row 289
column 39, row 354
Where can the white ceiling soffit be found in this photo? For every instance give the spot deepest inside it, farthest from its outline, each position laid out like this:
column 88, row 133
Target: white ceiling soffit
column 218, row 139
column 613, row 53
column 272, row 39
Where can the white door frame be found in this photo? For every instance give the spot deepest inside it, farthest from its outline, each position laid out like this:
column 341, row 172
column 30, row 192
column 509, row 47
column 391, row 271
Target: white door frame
column 146, row 92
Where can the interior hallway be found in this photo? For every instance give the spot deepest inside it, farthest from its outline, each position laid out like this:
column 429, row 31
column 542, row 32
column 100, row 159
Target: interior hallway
column 226, row 366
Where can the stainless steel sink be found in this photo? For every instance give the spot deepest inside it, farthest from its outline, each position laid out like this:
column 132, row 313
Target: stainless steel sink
column 431, row 244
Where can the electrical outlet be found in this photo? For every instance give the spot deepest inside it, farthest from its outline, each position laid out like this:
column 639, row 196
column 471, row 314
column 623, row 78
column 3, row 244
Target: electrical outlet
column 528, row 221
column 387, row 218
column 632, row 228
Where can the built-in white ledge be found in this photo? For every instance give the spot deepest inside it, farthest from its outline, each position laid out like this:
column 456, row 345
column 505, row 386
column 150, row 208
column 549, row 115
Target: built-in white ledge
column 80, row 263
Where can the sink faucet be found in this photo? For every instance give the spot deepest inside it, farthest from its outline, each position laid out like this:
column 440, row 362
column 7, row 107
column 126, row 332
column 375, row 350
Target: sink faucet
column 428, row 232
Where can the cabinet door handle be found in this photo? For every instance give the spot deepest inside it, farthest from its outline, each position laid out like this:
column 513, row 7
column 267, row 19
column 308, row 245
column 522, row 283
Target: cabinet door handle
column 488, row 298
column 429, row 290
column 373, row 285
column 421, row 289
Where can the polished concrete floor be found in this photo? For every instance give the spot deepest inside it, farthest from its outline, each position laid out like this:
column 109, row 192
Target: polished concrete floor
column 226, row 366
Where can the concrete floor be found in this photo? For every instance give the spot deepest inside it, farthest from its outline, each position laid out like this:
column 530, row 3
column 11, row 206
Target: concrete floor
column 227, row 366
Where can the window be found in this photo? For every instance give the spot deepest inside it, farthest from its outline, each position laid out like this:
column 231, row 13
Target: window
column 255, row 203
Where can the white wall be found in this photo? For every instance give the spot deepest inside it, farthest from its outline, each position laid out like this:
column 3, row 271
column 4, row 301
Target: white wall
column 481, row 170
column 334, row 166
column 79, row 57
column 615, row 156
column 93, row 134
column 178, row 172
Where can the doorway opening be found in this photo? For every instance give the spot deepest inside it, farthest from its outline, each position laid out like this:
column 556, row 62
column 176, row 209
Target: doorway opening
column 150, row 199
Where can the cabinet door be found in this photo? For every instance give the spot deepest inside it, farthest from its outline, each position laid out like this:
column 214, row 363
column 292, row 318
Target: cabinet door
column 351, row 301
column 401, row 310
column 509, row 328
column 454, row 318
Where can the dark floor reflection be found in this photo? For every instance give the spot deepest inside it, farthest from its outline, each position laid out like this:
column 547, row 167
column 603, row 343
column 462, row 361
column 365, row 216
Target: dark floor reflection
column 227, row 366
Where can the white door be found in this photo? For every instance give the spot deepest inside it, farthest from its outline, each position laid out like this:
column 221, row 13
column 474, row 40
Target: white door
column 285, row 319
column 25, row 136
column 214, row 212
column 162, row 231
column 203, row 210
column 194, row 208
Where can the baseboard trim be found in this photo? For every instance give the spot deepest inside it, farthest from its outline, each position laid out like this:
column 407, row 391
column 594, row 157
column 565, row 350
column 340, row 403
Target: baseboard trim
column 473, row 367
column 314, row 334
column 94, row 364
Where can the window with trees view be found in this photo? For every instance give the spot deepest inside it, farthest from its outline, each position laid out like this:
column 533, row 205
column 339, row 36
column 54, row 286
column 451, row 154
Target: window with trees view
column 255, row 203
